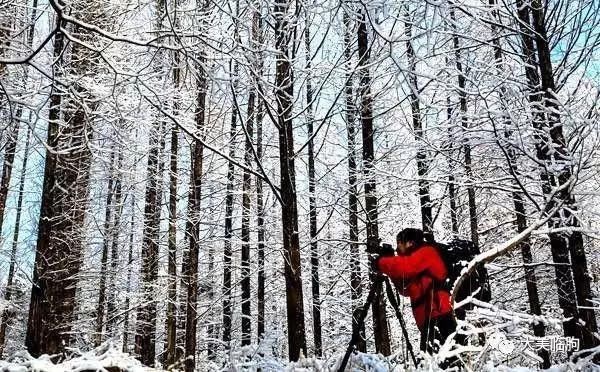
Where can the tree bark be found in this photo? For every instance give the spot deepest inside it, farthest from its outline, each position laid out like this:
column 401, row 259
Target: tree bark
column 184, row 276
column 452, row 188
column 211, row 329
column 380, row 325
column 194, row 209
column 147, row 313
column 567, row 215
column 6, row 25
column 564, row 274
column 355, row 273
column 99, row 336
column 172, row 251
column 246, row 186
column 312, row 209
column 525, row 247
column 145, row 338
column 260, row 209
column 172, row 240
column 462, row 95
column 65, row 192
column 422, row 162
column 246, row 310
column 284, row 95
column 519, row 205
column 227, row 251
column 573, row 281
column 111, row 306
column 129, row 270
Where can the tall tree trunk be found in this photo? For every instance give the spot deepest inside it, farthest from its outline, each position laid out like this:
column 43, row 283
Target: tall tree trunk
column 519, row 205
column 380, row 325
column 227, row 251
column 192, row 259
column 194, row 208
column 5, row 39
column 211, row 329
column 422, row 162
column 246, row 189
column 246, row 310
column 260, row 208
column 172, row 243
column 452, row 188
column 560, row 256
column 13, row 251
column 65, row 192
column 355, row 274
column 185, row 265
column 314, row 249
column 111, row 305
column 104, row 260
column 551, row 149
column 525, row 247
column 129, row 270
column 563, row 156
column 260, row 224
column 462, row 94
column 145, row 338
column 284, row 95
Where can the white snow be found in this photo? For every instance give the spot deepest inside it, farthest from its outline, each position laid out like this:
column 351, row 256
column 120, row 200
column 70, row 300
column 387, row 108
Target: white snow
column 108, row 356
column 100, row 359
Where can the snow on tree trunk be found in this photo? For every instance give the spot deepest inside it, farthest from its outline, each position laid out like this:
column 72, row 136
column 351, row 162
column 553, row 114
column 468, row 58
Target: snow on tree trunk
column 64, row 198
column 380, row 325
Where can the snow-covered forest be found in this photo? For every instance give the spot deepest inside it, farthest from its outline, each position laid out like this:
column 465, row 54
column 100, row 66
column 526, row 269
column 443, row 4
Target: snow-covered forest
column 195, row 183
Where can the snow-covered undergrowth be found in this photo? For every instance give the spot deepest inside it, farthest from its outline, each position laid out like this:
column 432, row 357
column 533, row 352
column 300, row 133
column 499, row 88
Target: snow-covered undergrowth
column 109, row 359
column 106, row 358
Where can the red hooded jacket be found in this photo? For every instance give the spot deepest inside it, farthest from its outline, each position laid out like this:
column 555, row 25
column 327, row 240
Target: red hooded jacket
column 417, row 275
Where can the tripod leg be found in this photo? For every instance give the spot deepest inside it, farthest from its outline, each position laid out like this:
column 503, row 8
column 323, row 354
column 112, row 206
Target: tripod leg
column 361, row 320
column 394, row 303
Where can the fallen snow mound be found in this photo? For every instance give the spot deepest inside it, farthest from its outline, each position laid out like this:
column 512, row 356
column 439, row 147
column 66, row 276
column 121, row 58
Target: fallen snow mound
column 106, row 358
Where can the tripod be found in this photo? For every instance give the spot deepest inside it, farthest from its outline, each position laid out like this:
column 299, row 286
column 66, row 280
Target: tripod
column 379, row 280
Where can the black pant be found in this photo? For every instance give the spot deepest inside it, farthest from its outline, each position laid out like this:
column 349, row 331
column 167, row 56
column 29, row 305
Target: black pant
column 436, row 331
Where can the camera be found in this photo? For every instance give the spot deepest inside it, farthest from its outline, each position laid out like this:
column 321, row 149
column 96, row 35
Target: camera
column 385, row 249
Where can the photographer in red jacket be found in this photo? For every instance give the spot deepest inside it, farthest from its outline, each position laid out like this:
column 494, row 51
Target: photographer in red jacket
column 417, row 272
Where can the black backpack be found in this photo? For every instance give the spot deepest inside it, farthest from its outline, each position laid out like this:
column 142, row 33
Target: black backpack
column 456, row 255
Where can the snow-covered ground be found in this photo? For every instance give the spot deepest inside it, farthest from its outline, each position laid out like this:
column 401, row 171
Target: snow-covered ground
column 106, row 358
column 109, row 359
